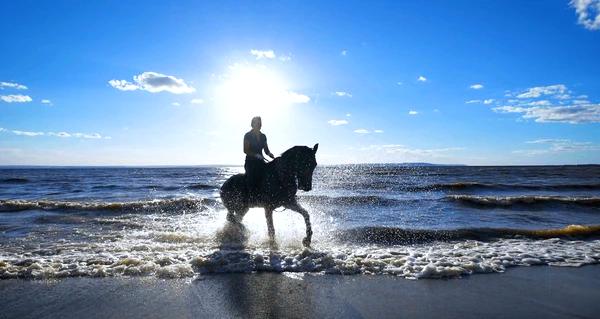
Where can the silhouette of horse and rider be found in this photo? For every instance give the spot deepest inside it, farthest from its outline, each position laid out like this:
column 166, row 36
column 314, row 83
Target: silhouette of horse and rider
column 269, row 185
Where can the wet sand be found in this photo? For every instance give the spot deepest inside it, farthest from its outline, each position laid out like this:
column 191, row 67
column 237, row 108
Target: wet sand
column 523, row 292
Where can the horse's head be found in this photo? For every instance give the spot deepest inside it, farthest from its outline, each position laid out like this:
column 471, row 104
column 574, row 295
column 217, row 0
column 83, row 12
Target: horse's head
column 303, row 161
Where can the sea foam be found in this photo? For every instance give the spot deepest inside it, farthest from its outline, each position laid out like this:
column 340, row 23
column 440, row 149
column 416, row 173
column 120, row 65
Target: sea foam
column 175, row 255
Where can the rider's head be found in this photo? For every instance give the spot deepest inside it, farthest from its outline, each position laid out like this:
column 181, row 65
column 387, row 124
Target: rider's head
column 256, row 123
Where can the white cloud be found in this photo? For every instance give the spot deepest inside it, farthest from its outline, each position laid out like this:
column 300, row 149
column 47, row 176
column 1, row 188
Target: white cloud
column 348, row 114
column 87, row 136
column 123, row 85
column 15, row 98
column 2, row 129
column 399, row 83
column 532, row 152
column 558, row 146
column 486, row 101
column 361, row 131
column 588, row 13
column 562, row 96
column 553, row 103
column 12, row 85
column 197, row 101
column 337, row 122
column 342, row 93
column 378, row 131
column 25, row 133
column 263, row 54
column 422, row 78
column 175, row 104
column 539, row 103
column 547, row 140
column 153, row 82
column 573, row 114
column 580, row 102
column 296, row 98
column 46, row 101
column 344, row 52
column 56, row 134
column 411, row 112
column 59, row 134
column 476, row 86
column 534, row 92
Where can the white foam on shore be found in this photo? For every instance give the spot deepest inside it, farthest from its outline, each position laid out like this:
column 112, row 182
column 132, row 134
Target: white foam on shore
column 191, row 244
column 441, row 260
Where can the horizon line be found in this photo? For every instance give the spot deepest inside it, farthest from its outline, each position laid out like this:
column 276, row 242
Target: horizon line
column 9, row 166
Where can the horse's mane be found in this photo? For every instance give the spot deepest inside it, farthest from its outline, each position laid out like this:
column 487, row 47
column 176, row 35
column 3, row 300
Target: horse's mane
column 287, row 154
column 292, row 150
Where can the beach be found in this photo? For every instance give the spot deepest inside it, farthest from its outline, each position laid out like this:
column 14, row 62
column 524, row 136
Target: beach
column 523, row 292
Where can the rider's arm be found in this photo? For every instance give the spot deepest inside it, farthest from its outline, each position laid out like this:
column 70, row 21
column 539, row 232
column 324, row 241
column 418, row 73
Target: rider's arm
column 267, row 149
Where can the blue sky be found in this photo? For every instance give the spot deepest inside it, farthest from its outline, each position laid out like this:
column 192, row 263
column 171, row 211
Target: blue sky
column 176, row 83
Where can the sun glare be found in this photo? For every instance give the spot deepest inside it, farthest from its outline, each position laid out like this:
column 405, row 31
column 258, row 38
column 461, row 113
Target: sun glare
column 249, row 90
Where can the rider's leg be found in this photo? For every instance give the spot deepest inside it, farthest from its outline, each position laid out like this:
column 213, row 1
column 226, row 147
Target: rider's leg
column 250, row 174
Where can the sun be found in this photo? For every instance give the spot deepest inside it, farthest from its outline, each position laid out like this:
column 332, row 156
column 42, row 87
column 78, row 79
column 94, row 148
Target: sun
column 250, row 90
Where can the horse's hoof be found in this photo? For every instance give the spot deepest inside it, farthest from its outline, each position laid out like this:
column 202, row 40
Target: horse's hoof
column 306, row 242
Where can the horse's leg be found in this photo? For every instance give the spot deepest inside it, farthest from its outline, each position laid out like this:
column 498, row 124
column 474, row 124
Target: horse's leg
column 270, row 227
column 237, row 206
column 231, row 216
column 297, row 208
column 237, row 214
column 240, row 213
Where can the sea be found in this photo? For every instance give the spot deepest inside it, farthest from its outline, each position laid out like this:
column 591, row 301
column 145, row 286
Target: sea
column 390, row 220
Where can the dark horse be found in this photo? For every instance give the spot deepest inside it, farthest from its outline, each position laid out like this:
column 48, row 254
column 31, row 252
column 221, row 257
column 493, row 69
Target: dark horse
column 281, row 180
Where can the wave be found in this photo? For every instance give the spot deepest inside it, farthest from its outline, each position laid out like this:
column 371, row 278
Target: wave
column 14, row 180
column 163, row 205
column 350, row 200
column 105, row 187
column 507, row 201
column 158, row 187
column 162, row 188
column 201, row 186
column 462, row 186
column 396, row 236
column 477, row 185
column 458, row 186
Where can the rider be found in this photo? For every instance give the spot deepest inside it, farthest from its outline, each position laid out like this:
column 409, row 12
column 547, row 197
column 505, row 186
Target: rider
column 254, row 143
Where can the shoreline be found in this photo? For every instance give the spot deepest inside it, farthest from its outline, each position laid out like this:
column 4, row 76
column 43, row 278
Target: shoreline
column 520, row 292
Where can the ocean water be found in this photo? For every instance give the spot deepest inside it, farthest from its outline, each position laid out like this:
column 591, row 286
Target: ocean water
column 414, row 222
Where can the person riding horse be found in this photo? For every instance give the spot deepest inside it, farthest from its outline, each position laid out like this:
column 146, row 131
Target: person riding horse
column 254, row 144
column 272, row 184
